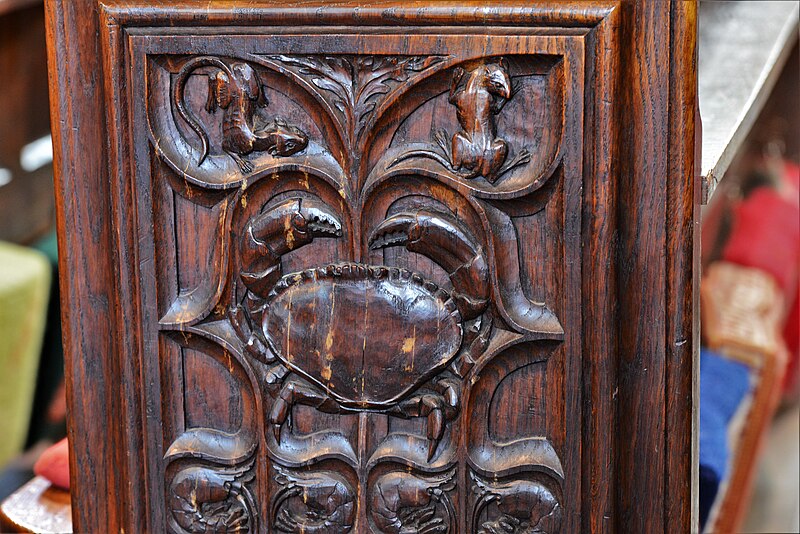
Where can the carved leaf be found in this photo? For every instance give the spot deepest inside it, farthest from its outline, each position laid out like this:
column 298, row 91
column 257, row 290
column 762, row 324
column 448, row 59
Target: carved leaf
column 374, row 76
column 354, row 85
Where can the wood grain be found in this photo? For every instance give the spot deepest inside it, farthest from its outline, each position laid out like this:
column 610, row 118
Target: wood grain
column 372, row 282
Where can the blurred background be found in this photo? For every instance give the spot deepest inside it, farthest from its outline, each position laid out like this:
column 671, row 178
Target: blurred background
column 749, row 102
column 32, row 407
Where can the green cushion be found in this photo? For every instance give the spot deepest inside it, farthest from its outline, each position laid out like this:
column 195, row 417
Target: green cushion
column 24, row 292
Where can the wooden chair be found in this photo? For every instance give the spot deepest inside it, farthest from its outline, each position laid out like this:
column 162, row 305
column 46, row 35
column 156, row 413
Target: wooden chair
column 742, row 311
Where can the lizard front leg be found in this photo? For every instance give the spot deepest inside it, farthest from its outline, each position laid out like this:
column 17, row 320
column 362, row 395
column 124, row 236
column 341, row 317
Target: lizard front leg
column 245, row 166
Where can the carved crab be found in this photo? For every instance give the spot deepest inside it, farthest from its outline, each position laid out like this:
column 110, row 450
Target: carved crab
column 332, row 333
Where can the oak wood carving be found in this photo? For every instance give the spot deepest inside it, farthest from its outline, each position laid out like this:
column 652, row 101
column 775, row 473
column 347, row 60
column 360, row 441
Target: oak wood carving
column 363, row 274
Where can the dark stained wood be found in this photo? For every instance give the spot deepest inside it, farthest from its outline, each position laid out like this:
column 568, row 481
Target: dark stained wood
column 656, row 333
column 683, row 274
column 378, row 268
column 99, row 441
column 600, row 352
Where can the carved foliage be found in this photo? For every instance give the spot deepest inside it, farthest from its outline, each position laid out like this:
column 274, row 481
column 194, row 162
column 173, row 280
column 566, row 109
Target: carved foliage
column 355, row 85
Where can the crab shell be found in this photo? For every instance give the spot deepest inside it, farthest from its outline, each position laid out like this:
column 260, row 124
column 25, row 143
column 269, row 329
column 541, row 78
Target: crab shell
column 366, row 335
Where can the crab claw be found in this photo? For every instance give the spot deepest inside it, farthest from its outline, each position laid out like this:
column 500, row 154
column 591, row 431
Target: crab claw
column 278, row 415
column 476, row 339
column 445, row 241
column 296, row 391
column 435, row 430
column 287, row 226
column 446, row 408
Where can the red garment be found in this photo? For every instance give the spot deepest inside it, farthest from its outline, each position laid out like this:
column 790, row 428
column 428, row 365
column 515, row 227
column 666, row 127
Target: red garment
column 766, row 236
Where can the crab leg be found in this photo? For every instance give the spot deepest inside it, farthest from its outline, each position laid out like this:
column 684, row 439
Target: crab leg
column 287, row 226
column 445, row 241
column 473, row 344
column 296, row 391
column 438, row 406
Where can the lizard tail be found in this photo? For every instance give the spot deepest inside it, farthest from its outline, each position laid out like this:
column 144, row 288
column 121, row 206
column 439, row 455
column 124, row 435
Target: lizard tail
column 429, row 154
column 179, row 96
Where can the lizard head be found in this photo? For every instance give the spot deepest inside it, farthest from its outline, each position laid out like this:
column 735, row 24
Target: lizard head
column 497, row 79
column 288, row 139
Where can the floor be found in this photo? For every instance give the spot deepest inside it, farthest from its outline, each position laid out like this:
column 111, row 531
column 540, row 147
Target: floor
column 775, row 507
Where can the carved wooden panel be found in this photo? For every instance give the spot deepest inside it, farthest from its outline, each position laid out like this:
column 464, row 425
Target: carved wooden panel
column 363, row 287
column 377, row 247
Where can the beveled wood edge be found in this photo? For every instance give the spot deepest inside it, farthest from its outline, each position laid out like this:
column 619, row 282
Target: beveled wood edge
column 436, row 13
column 683, row 274
column 599, row 478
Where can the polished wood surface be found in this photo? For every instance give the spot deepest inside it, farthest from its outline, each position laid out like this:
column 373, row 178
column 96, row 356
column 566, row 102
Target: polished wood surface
column 378, row 268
